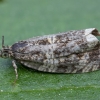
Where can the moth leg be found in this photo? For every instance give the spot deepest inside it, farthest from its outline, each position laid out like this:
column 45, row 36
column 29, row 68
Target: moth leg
column 15, row 68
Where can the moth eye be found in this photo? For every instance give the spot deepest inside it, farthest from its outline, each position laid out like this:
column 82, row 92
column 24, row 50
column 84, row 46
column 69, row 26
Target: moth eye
column 5, row 55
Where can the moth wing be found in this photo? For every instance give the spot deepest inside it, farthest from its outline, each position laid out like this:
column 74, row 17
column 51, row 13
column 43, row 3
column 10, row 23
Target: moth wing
column 49, row 68
column 86, row 41
column 63, row 69
column 58, row 45
column 75, row 63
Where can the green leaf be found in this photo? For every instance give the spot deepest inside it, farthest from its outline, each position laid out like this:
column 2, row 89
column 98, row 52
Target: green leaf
column 23, row 19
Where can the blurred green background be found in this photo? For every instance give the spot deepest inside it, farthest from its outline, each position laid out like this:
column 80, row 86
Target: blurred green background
column 23, row 19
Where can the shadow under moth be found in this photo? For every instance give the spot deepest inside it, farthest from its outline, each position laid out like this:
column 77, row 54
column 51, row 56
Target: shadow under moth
column 75, row 51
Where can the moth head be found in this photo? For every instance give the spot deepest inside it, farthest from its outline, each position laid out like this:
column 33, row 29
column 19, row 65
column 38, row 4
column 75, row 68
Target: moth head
column 5, row 51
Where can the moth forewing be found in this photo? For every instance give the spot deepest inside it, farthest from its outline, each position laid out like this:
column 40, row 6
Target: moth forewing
column 75, row 63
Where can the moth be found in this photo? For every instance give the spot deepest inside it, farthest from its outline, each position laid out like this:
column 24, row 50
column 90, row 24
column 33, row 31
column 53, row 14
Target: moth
column 75, row 51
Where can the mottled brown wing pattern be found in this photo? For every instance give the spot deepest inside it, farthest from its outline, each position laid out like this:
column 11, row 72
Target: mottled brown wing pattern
column 75, row 63
column 69, row 52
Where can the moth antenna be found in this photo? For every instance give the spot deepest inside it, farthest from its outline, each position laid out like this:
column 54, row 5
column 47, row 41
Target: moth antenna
column 3, row 42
